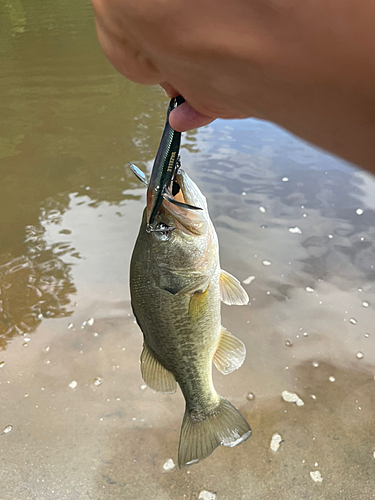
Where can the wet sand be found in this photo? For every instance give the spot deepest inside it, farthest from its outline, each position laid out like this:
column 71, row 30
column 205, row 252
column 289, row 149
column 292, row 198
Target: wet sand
column 294, row 223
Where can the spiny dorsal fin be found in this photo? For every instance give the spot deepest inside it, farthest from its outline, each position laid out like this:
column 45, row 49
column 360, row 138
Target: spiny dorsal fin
column 230, row 353
column 231, row 291
column 154, row 374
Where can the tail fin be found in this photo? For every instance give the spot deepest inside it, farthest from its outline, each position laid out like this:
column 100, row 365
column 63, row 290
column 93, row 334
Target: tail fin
column 199, row 438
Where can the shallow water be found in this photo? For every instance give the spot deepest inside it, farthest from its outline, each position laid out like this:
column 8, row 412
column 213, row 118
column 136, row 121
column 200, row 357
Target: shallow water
column 75, row 418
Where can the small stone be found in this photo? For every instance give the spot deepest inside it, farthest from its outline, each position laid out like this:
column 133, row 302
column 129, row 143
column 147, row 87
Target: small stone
column 2, row 363
column 169, row 465
column 288, row 343
column 97, row 381
column 8, row 429
column 291, row 397
column 90, row 321
column 353, row 321
column 143, row 387
column 316, row 476
column 285, row 179
column 262, row 209
column 359, row 355
column 70, row 326
column 206, row 495
column 266, row 262
column 315, row 364
column 309, row 289
column 248, row 280
column 295, row 230
column 250, row 396
column 365, row 304
column 359, row 211
column 275, row 442
column 73, row 384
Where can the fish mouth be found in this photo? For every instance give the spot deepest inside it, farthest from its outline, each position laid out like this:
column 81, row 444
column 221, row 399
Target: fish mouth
column 186, row 204
column 185, row 191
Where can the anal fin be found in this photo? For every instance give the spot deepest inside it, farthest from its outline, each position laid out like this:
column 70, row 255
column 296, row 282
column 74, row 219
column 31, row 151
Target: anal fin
column 154, row 374
column 230, row 353
column 231, row 291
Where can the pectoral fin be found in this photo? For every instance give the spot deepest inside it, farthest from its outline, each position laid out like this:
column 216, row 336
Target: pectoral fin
column 198, row 305
column 154, row 374
column 231, row 291
column 230, row 353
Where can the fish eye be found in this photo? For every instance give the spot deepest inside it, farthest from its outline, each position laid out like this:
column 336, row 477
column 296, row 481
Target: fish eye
column 162, row 232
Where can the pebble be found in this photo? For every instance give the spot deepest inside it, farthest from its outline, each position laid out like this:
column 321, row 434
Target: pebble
column 291, row 397
column 169, row 465
column 206, row 495
column 295, row 230
column 248, row 280
column 275, row 442
column 316, row 476
column 8, row 429
column 73, row 384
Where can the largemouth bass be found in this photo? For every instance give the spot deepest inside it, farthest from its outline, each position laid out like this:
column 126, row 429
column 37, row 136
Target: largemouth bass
column 177, row 287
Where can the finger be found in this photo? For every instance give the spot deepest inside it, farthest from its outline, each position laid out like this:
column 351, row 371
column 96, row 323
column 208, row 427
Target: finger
column 169, row 90
column 184, row 118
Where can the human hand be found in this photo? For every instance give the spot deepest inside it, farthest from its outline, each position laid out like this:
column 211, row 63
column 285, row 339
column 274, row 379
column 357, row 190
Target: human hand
column 308, row 66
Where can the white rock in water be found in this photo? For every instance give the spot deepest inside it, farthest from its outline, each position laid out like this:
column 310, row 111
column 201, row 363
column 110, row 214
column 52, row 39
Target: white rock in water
column 275, row 442
column 206, row 495
column 73, row 384
column 248, row 280
column 295, row 230
column 291, row 397
column 90, row 321
column 169, row 465
column 316, row 476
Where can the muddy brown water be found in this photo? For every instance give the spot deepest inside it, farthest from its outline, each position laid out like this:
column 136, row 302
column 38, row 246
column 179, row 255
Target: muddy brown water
column 295, row 223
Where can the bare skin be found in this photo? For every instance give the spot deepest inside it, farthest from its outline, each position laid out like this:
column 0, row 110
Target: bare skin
column 308, row 65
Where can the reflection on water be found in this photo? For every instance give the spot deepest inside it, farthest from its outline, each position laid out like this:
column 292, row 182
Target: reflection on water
column 297, row 226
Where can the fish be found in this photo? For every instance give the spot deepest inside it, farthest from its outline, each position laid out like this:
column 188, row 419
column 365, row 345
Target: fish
column 177, row 287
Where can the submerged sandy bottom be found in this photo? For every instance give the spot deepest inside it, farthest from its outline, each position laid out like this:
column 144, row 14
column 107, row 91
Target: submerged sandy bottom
column 295, row 225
